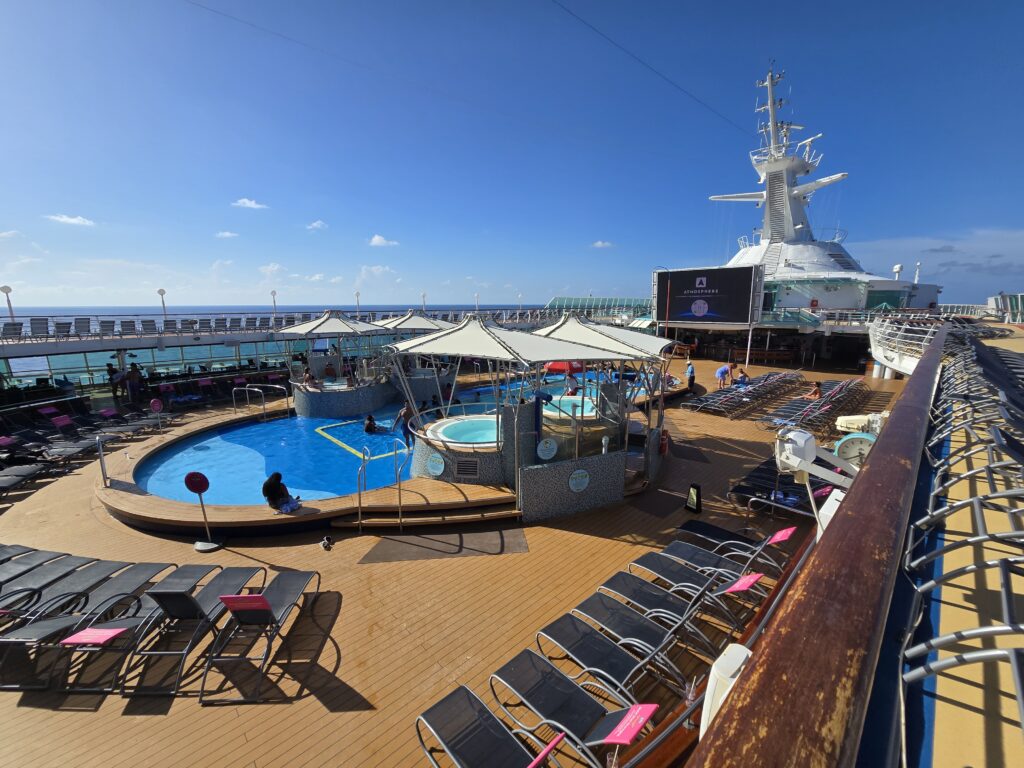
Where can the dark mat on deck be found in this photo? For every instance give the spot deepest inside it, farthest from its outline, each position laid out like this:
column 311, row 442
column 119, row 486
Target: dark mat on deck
column 430, row 545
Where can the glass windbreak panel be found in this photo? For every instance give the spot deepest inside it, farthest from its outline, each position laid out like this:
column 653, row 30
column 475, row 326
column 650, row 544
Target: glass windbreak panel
column 168, row 360
column 72, row 367
column 141, row 357
column 26, row 371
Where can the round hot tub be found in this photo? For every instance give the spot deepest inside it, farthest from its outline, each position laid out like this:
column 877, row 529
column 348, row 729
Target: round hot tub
column 480, row 431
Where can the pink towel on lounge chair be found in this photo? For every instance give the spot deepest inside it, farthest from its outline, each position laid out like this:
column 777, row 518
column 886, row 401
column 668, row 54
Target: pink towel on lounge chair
column 782, row 535
column 93, row 636
column 49, row 410
column 166, row 387
column 62, row 421
column 206, row 382
column 631, row 724
column 743, row 583
column 108, row 412
column 5, row 441
column 245, row 602
column 240, row 380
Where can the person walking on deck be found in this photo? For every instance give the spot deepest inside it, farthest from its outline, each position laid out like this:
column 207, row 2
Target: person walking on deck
column 724, row 373
column 691, row 375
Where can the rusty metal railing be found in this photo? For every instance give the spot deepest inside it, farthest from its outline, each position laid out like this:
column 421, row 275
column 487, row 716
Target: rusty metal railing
column 804, row 695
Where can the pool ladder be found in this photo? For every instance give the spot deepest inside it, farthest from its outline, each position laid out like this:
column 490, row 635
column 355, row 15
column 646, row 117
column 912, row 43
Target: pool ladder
column 399, row 469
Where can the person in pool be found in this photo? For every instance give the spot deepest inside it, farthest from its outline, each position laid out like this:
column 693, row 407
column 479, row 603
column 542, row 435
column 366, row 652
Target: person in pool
column 330, row 375
column 277, row 496
column 404, row 418
column 370, row 425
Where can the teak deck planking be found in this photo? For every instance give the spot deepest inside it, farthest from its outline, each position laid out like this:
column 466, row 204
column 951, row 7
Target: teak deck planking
column 405, row 635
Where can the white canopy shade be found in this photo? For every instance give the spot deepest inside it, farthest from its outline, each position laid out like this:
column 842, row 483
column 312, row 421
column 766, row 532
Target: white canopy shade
column 414, row 321
column 475, row 338
column 576, row 329
column 331, row 323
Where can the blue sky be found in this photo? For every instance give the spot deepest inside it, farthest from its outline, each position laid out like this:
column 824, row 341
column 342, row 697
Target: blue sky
column 484, row 147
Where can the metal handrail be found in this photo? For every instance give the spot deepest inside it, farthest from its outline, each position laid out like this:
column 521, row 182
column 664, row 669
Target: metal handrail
column 287, row 398
column 398, row 474
column 248, row 402
column 361, row 485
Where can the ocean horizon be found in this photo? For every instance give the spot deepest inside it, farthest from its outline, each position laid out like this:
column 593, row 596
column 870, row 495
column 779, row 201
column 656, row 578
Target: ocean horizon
column 116, row 311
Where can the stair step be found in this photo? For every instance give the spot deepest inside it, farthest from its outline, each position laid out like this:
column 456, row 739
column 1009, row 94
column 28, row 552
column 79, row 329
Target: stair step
column 382, row 520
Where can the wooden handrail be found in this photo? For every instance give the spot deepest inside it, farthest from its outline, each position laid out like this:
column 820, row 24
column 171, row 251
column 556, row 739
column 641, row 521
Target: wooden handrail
column 804, row 694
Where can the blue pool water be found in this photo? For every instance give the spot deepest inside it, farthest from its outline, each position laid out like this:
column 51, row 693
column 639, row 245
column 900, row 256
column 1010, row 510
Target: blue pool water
column 471, row 430
column 237, row 459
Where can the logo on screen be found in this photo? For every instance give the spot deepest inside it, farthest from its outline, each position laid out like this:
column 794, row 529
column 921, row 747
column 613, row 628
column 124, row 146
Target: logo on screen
column 702, row 282
column 699, row 308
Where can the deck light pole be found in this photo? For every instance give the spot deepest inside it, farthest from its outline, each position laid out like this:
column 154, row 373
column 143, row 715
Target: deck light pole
column 477, row 297
column 273, row 298
column 423, row 301
column 163, row 303
column 357, row 305
column 6, row 290
column 520, row 303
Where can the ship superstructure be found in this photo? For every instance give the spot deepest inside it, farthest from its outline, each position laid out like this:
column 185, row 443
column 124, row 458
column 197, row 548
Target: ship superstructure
column 804, row 269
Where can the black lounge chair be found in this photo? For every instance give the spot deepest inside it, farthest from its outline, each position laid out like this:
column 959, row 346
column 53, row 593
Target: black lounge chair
column 559, row 703
column 187, row 618
column 18, row 566
column 599, row 656
column 732, row 564
column 62, row 614
column 106, row 635
column 628, row 628
column 656, row 603
column 681, row 578
column 470, row 734
column 256, row 617
column 51, row 586
column 9, row 551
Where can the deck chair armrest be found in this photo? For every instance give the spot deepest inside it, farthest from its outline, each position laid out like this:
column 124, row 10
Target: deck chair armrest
column 69, row 602
column 108, row 605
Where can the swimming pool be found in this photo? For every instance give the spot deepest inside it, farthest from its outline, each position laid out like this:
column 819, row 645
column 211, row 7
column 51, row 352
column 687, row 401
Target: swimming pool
column 466, row 430
column 318, row 458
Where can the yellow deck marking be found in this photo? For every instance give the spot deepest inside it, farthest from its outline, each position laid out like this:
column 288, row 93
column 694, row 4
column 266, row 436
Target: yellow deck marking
column 320, row 431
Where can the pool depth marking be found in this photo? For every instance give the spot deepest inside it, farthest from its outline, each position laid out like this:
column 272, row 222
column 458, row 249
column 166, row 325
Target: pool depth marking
column 320, row 431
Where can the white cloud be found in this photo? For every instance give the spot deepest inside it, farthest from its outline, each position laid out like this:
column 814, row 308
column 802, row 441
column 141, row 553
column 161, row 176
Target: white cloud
column 316, row 278
column 318, row 224
column 63, row 218
column 21, row 261
column 336, row 279
column 245, row 202
column 8, row 233
column 602, row 244
column 379, row 241
column 970, row 266
column 271, row 270
column 224, row 234
column 369, row 272
column 38, row 247
column 398, row 280
column 221, row 263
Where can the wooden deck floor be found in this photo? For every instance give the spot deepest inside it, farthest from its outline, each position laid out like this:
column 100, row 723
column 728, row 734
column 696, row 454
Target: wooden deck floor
column 401, row 634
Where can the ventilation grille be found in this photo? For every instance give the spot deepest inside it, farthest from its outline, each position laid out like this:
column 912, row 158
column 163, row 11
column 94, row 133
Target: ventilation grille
column 776, row 206
column 467, row 467
column 844, row 261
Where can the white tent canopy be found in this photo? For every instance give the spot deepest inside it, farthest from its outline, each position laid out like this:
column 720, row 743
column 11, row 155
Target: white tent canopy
column 575, row 329
column 475, row 338
column 414, row 321
column 331, row 323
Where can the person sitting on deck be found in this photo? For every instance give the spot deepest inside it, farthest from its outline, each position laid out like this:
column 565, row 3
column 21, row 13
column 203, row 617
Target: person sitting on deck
column 330, row 375
column 743, row 379
column 814, row 394
column 277, row 496
column 309, row 380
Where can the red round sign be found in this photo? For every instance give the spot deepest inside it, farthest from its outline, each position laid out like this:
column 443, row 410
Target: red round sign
column 156, row 405
column 197, row 482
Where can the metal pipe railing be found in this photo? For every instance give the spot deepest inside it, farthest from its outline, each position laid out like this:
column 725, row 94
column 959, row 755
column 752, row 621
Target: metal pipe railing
column 361, row 486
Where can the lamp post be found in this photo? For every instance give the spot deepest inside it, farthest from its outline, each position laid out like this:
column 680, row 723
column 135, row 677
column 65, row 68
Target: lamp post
column 6, row 290
column 520, row 303
column 476, row 296
column 163, row 303
column 357, row 305
column 423, row 301
column 273, row 298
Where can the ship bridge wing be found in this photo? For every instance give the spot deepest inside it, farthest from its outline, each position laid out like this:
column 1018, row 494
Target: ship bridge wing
column 741, row 197
column 805, row 189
